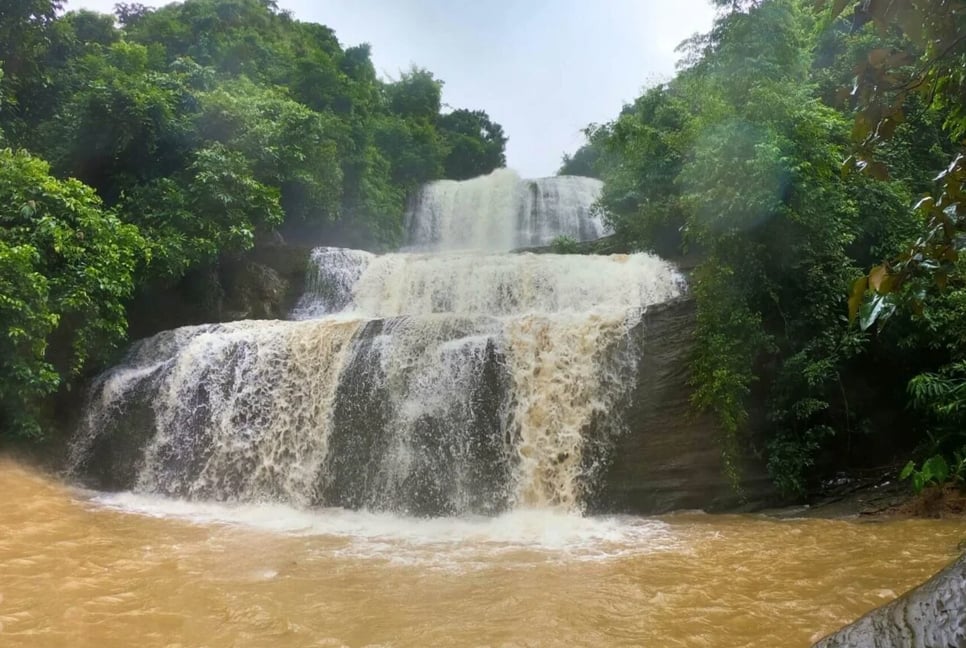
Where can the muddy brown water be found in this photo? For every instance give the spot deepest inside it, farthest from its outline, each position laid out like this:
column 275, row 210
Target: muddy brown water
column 87, row 569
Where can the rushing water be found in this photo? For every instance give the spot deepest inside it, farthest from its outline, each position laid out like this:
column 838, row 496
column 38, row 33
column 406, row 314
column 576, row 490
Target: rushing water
column 86, row 569
column 443, row 382
column 501, row 212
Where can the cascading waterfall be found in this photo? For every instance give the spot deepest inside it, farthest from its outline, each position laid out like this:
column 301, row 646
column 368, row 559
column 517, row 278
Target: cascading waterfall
column 230, row 411
column 432, row 383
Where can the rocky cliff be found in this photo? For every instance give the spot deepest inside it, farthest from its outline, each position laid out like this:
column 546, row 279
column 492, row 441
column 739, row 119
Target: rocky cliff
column 667, row 457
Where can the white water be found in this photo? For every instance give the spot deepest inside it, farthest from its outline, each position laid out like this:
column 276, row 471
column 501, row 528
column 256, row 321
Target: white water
column 427, row 383
column 500, row 212
column 528, row 535
column 499, row 285
column 330, row 281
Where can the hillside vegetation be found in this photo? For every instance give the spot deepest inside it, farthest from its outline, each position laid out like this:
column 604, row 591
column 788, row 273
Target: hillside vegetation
column 809, row 155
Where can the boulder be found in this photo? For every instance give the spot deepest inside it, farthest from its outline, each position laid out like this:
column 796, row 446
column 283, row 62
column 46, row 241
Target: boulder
column 931, row 616
column 264, row 283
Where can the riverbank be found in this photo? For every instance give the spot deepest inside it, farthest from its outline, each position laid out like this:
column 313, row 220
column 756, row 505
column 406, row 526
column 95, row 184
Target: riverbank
column 879, row 496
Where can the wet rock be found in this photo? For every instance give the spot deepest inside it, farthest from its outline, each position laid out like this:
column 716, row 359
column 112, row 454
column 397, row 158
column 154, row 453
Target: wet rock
column 667, row 457
column 264, row 283
column 931, row 616
column 254, row 291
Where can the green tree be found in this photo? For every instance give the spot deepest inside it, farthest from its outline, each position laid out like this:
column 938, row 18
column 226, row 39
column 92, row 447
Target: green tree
column 289, row 146
column 588, row 160
column 736, row 161
column 126, row 123
column 475, row 144
column 413, row 149
column 66, row 269
column 643, row 153
column 219, row 183
column 909, row 101
column 924, row 68
column 417, row 95
column 25, row 31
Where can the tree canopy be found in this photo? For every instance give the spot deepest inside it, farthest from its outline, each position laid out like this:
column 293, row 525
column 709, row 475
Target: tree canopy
column 144, row 145
column 786, row 157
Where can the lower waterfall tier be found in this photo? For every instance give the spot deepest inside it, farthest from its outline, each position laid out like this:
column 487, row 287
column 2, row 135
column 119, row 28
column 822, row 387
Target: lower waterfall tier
column 427, row 415
column 418, row 416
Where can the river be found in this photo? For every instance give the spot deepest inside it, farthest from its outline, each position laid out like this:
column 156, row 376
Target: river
column 80, row 568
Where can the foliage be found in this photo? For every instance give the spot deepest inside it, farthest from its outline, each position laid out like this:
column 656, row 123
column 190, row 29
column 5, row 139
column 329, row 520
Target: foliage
column 417, row 95
column 66, row 268
column 933, row 471
column 737, row 162
column 287, row 145
column 941, row 396
column 759, row 197
column 587, row 160
column 475, row 144
column 123, row 126
column 413, row 149
column 220, row 184
column 924, row 67
column 565, row 245
column 24, row 32
column 920, row 72
column 28, row 321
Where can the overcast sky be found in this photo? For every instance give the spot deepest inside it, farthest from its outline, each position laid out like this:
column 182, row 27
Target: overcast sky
column 543, row 69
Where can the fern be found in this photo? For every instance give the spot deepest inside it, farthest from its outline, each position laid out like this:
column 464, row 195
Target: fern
column 942, row 393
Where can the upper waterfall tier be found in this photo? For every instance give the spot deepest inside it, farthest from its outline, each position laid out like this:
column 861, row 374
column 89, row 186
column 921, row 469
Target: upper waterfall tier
column 500, row 212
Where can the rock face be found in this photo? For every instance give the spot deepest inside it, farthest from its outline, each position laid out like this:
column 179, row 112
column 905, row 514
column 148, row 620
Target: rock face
column 668, row 457
column 264, row 283
column 456, row 457
column 931, row 616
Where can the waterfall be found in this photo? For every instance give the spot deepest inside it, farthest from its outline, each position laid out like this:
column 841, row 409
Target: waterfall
column 429, row 383
column 501, row 212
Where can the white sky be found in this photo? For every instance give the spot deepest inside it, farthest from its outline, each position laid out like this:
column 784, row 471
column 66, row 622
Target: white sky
column 543, row 69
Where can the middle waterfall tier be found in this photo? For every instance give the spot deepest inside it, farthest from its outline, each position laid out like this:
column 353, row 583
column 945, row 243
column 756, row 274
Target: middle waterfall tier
column 421, row 384
column 468, row 283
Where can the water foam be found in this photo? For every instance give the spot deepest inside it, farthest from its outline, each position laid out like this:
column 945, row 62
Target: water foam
column 498, row 285
column 529, row 535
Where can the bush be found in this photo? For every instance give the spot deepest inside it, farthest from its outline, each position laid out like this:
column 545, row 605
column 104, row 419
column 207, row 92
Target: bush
column 66, row 268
